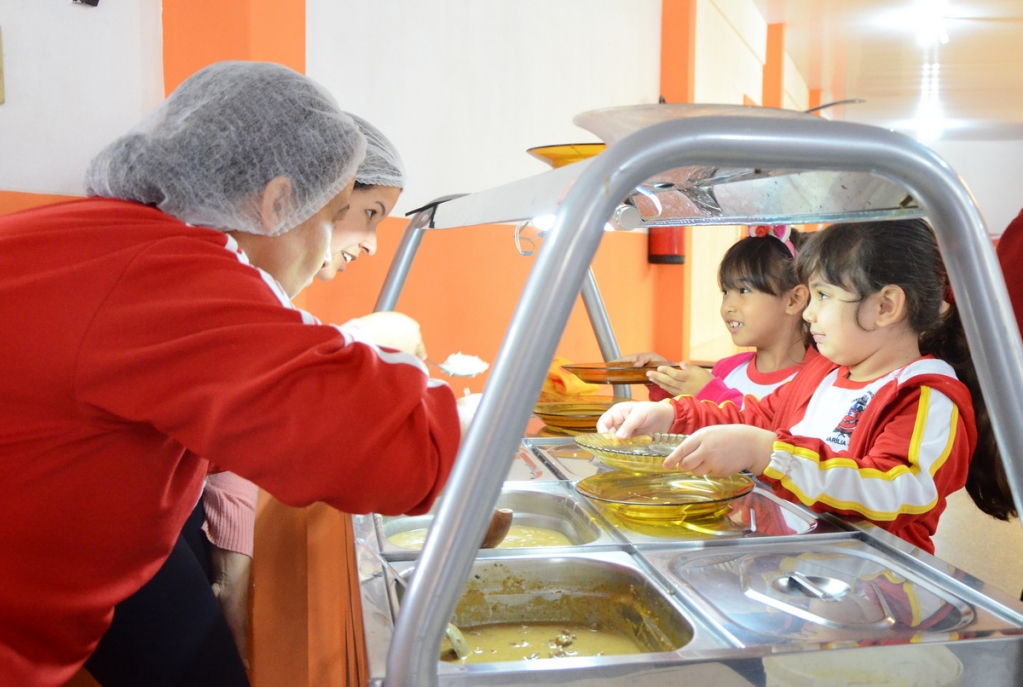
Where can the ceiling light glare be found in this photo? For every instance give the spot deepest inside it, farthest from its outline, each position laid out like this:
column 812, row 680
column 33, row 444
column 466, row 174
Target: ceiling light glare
column 929, row 121
column 930, row 17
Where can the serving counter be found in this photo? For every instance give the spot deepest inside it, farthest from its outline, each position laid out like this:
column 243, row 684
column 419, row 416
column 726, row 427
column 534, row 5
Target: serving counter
column 741, row 606
column 777, row 596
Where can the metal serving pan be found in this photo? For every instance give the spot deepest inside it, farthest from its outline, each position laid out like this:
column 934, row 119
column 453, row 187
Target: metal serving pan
column 826, row 593
column 607, row 588
column 549, row 505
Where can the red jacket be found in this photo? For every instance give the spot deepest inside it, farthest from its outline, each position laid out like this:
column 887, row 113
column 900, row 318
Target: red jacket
column 909, row 444
column 135, row 349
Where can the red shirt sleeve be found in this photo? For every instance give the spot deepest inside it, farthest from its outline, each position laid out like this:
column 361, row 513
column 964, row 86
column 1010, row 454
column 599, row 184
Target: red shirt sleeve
column 216, row 361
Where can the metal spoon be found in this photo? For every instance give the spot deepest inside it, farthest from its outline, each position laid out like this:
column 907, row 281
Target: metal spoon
column 454, row 635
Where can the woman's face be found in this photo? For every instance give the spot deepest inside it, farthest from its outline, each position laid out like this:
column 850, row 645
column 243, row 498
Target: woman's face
column 292, row 258
column 356, row 233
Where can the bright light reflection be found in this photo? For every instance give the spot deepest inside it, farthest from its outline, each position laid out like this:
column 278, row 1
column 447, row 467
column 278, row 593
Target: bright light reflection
column 929, row 121
column 930, row 21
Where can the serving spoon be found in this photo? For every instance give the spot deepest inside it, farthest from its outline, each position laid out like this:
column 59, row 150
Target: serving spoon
column 454, row 635
column 500, row 524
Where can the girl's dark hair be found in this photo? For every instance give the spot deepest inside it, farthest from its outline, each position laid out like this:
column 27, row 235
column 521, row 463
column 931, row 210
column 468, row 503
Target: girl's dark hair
column 762, row 263
column 864, row 257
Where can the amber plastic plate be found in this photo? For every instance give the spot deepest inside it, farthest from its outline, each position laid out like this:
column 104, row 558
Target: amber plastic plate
column 639, row 453
column 664, row 496
column 611, row 373
column 575, row 413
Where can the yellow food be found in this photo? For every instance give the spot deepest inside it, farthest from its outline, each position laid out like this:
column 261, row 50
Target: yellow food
column 519, row 537
column 533, row 641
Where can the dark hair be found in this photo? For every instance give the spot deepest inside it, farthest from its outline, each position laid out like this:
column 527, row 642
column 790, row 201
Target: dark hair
column 762, row 263
column 863, row 258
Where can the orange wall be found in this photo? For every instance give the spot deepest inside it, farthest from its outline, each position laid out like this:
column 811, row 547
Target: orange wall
column 15, row 201
column 465, row 283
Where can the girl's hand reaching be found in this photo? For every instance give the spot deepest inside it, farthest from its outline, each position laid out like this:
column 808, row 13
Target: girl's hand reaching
column 626, row 419
column 642, row 359
column 686, row 379
column 722, row 450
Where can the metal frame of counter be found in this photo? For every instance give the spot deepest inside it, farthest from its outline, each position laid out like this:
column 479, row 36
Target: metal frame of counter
column 558, row 275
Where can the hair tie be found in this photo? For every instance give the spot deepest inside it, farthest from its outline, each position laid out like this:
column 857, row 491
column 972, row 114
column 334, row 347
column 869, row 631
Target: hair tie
column 949, row 296
column 782, row 232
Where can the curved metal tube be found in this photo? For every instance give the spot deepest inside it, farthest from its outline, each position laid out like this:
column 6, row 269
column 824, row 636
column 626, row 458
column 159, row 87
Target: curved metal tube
column 406, row 253
column 489, row 447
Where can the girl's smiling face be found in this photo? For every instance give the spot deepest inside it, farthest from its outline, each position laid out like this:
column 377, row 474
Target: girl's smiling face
column 752, row 316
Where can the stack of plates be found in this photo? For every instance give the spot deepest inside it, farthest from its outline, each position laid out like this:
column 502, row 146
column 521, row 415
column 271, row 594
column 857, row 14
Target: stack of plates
column 667, row 498
column 574, row 415
column 649, row 499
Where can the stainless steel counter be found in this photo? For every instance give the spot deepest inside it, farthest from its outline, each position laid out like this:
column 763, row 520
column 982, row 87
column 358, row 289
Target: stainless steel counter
column 583, row 197
column 749, row 607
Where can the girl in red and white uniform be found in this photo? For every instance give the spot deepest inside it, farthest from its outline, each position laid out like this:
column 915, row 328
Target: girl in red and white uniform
column 762, row 304
column 885, row 423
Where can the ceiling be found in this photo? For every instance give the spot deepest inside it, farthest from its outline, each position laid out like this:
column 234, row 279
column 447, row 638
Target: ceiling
column 883, row 52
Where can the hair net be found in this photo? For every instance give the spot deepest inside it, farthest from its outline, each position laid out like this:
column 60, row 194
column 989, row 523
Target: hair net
column 382, row 166
column 206, row 154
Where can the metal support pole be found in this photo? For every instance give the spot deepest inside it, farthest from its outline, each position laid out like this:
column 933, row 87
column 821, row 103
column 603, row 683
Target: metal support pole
column 602, row 326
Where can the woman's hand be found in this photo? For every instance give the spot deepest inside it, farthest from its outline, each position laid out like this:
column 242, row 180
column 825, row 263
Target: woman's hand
column 231, row 587
column 467, row 407
column 626, row 419
column 641, row 359
column 686, row 379
column 723, row 450
column 394, row 330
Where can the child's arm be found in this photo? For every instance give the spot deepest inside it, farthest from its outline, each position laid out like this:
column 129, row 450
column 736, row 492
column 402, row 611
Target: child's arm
column 916, row 454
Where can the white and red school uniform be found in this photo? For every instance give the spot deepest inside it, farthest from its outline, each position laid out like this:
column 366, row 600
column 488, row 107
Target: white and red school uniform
column 890, row 450
column 737, row 376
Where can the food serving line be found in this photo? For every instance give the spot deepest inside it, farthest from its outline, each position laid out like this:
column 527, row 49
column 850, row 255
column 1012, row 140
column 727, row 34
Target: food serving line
column 776, row 593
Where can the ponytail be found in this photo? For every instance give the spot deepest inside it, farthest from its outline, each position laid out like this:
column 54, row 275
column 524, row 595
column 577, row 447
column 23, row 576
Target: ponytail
column 987, row 484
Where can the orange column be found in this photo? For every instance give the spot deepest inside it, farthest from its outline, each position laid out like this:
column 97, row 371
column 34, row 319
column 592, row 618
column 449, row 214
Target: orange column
column 678, row 50
column 678, row 79
column 814, row 100
column 774, row 67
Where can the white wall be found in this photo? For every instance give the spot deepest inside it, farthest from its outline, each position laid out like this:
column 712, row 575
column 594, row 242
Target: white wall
column 76, row 78
column 993, row 171
column 464, row 87
column 731, row 48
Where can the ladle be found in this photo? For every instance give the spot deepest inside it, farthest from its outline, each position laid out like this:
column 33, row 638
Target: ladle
column 454, row 635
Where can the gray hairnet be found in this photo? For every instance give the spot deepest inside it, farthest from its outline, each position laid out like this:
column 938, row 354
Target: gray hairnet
column 382, row 166
column 206, row 154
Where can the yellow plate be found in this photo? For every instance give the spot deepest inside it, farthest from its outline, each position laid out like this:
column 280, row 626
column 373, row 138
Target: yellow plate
column 576, row 413
column 611, row 373
column 566, row 153
column 664, row 496
column 638, row 453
